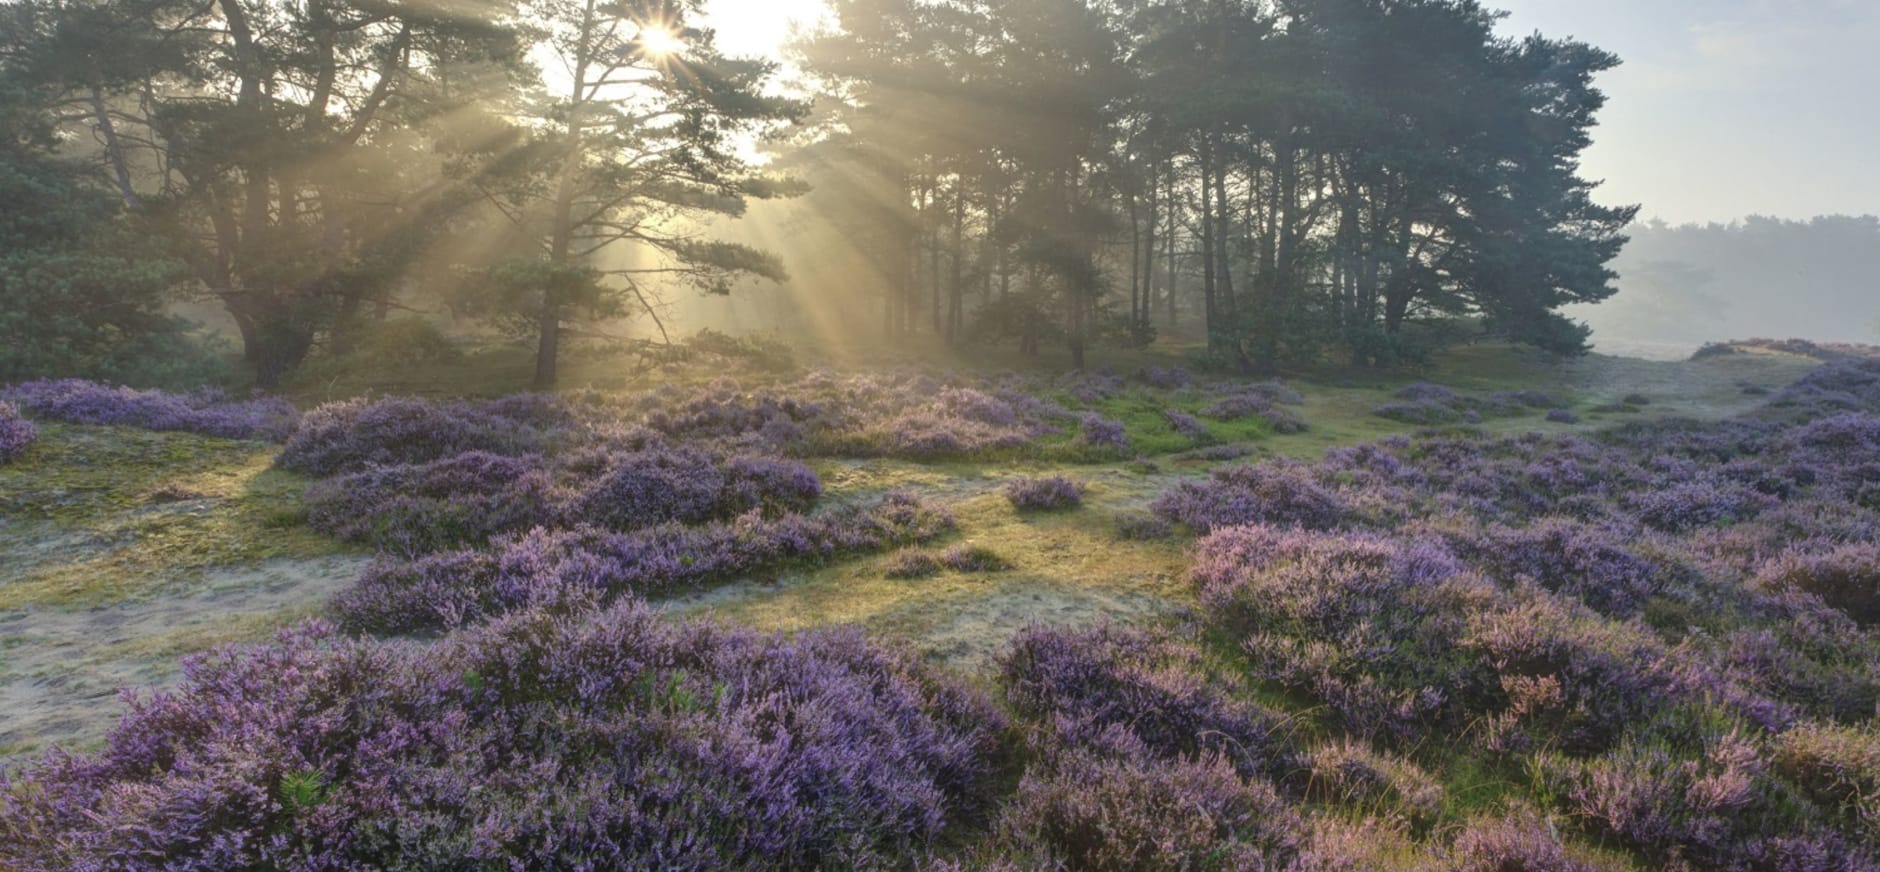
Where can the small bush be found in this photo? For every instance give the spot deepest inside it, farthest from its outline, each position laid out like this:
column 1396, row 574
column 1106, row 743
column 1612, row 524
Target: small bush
column 1044, row 494
column 1109, row 815
column 1269, row 493
column 16, row 433
column 1837, row 766
column 351, row 435
column 1389, row 787
column 1562, row 416
column 1186, row 424
column 1846, row 577
column 206, row 411
column 1101, row 432
column 1142, row 527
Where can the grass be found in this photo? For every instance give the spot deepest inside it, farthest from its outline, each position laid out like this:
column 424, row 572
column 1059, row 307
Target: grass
column 105, row 514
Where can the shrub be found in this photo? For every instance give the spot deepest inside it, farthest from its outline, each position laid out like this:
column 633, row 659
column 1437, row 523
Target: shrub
column 416, row 509
column 1349, row 772
column 1101, row 432
column 1044, row 494
column 16, row 433
column 574, row 568
column 206, row 411
column 623, row 741
column 1268, row 493
column 1587, row 563
column 634, row 489
column 1562, row 416
column 1109, row 815
column 1521, row 843
column 1424, row 392
column 351, row 435
column 1077, row 688
column 1166, row 378
column 1846, row 577
column 1185, row 424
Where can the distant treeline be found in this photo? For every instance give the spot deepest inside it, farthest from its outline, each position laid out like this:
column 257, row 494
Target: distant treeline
column 1286, row 179
column 1290, row 179
column 1692, row 283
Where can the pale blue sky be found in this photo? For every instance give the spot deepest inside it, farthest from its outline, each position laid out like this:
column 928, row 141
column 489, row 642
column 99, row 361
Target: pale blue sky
column 1724, row 108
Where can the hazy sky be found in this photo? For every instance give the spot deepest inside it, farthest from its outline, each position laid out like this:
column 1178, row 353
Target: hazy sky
column 1724, row 108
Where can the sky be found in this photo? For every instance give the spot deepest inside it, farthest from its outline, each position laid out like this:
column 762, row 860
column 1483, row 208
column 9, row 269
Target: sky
column 1723, row 109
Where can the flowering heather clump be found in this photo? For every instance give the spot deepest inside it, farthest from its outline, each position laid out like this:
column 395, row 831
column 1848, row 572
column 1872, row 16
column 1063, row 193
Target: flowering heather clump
column 1422, row 392
column 622, row 741
column 1142, row 527
column 1846, row 577
column 1364, row 623
column 1044, row 494
column 642, row 488
column 1349, row 772
column 1186, row 424
column 16, row 433
column 207, row 412
column 1237, row 406
column 1682, row 506
column 1588, row 563
column 1166, row 378
column 1522, row 843
column 416, row 509
column 354, row 434
column 1084, row 811
column 1095, row 387
column 1268, row 493
column 1078, row 688
column 1101, row 432
column 1562, row 416
column 579, row 566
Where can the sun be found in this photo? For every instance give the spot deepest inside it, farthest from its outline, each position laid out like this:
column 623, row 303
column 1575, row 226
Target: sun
column 660, row 42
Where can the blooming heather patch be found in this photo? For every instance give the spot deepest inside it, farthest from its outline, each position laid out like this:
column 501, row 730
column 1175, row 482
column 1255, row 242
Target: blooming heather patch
column 16, row 433
column 1083, row 811
column 624, row 740
column 1101, row 432
column 1078, row 689
column 1044, row 494
column 355, row 434
column 419, row 508
column 567, row 570
column 208, row 412
column 1186, row 424
column 1271, row 493
column 921, row 563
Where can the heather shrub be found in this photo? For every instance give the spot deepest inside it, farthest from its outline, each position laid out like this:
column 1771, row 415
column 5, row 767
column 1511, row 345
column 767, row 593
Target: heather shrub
column 621, row 741
column 1142, row 527
column 1562, row 416
column 1265, row 404
column 1709, row 800
column 1104, row 814
column 1587, row 563
column 1079, row 688
column 1185, row 424
column 1683, row 506
column 1523, row 842
column 1166, row 378
column 354, row 434
column 1101, row 432
column 1389, row 787
column 1568, row 678
column 571, row 569
column 16, row 433
column 1044, row 494
column 1837, row 766
column 1365, row 624
column 629, row 490
column 415, row 509
column 1268, row 493
column 1424, row 392
column 1846, row 577
column 206, row 411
